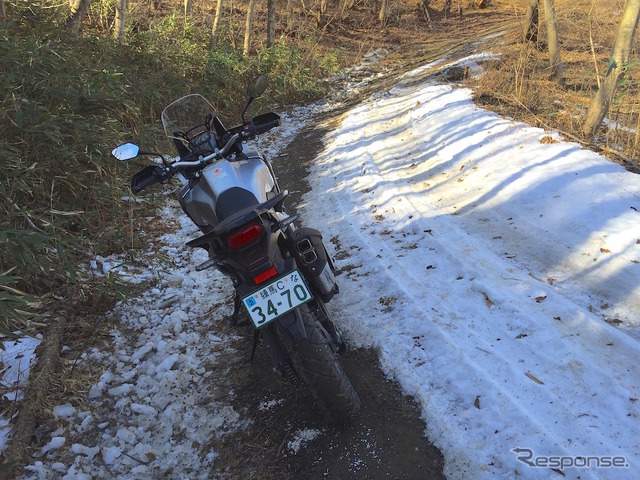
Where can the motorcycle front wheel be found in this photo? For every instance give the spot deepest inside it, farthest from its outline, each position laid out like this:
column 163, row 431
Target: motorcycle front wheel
column 318, row 366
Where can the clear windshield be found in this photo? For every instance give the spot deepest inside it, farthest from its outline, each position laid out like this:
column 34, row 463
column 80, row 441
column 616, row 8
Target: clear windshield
column 186, row 113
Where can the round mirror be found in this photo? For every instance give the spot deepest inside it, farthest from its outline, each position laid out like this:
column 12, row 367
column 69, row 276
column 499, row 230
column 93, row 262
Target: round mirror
column 257, row 86
column 126, row 151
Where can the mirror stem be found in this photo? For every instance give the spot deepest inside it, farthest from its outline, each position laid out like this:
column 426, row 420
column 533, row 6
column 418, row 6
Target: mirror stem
column 249, row 102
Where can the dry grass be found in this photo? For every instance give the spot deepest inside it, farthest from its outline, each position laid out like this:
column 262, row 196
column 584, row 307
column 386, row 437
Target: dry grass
column 519, row 85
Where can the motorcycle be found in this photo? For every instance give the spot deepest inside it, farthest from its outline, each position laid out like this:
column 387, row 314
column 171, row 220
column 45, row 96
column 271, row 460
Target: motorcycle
column 282, row 274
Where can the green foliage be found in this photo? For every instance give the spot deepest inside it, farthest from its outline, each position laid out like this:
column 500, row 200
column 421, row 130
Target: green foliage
column 65, row 102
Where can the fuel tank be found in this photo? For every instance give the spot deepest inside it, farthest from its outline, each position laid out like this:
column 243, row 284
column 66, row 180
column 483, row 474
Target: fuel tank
column 225, row 187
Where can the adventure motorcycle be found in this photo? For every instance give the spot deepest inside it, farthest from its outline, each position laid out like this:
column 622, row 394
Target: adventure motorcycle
column 282, row 274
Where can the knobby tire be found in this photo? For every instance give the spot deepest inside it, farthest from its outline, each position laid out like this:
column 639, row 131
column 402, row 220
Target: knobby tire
column 318, row 366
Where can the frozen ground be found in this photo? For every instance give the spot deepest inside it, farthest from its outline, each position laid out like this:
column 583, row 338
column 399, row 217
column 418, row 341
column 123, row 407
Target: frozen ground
column 496, row 272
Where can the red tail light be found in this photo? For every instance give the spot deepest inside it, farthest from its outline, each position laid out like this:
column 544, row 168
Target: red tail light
column 264, row 276
column 244, row 236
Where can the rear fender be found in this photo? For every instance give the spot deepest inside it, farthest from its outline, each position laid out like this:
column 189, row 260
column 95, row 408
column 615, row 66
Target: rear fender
column 294, row 326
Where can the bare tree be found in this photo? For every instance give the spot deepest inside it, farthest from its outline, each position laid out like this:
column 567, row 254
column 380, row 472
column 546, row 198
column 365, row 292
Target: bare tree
column 3, row 12
column 382, row 16
column 346, row 5
column 79, row 9
column 215, row 29
column 247, row 28
column 121, row 14
column 425, row 10
column 552, row 39
column 531, row 23
column 289, row 15
column 599, row 106
column 271, row 22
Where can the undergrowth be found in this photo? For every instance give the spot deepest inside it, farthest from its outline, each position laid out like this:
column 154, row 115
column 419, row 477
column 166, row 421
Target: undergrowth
column 65, row 102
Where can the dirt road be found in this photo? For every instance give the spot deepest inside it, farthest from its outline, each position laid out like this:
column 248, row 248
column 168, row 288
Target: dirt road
column 288, row 439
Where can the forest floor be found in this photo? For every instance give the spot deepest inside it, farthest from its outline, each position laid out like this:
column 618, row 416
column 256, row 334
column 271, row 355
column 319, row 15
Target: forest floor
column 387, row 440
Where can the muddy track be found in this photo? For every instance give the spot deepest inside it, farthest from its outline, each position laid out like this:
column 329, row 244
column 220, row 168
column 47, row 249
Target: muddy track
column 288, row 439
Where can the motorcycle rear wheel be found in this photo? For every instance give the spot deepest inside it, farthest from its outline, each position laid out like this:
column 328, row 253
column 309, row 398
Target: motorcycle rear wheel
column 319, row 368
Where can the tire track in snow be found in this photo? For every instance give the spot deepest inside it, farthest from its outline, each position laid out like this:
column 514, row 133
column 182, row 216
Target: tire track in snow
column 495, row 300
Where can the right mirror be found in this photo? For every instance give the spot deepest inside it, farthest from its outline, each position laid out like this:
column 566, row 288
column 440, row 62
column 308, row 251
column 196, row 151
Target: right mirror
column 257, row 86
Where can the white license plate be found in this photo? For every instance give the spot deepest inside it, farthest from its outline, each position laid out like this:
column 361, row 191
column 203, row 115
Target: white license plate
column 277, row 298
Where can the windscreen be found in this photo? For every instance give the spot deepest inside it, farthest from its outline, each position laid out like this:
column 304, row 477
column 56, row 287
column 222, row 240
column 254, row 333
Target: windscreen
column 184, row 114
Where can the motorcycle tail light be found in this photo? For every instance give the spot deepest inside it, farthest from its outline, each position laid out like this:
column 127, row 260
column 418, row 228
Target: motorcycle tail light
column 244, row 236
column 264, row 276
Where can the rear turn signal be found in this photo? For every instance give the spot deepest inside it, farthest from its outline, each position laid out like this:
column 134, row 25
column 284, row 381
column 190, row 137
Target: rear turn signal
column 244, row 236
column 264, row 276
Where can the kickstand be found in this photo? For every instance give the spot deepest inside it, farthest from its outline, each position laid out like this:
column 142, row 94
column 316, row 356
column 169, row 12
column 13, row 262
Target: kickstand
column 236, row 310
column 256, row 340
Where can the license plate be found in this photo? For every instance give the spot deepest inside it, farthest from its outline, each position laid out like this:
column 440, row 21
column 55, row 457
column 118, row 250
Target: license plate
column 277, row 298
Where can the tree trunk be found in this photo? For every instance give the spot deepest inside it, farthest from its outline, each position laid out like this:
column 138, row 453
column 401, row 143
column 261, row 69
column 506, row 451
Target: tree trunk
column 271, row 22
column 599, row 106
column 247, row 28
column 531, row 23
column 289, row 16
column 3, row 12
column 79, row 9
column 425, row 10
column 382, row 16
column 188, row 8
column 346, row 6
column 121, row 14
column 215, row 30
column 447, row 9
column 555, row 62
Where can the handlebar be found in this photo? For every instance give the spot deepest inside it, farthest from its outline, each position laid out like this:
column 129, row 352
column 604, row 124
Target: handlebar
column 208, row 158
column 144, row 183
column 152, row 175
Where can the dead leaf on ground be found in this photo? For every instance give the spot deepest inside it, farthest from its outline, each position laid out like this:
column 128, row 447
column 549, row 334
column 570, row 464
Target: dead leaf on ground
column 487, row 300
column 539, row 382
column 605, row 250
column 540, row 298
column 476, row 402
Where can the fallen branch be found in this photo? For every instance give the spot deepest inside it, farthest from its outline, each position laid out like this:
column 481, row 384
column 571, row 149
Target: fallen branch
column 38, row 386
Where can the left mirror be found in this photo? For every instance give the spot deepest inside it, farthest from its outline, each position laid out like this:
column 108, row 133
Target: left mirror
column 126, row 151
